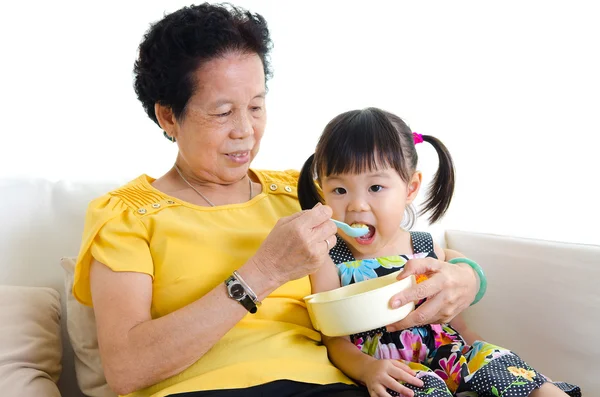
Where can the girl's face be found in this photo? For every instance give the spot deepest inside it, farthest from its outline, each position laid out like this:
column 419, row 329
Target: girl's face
column 376, row 199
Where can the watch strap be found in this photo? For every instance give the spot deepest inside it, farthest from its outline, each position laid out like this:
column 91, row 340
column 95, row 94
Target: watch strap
column 249, row 304
column 246, row 301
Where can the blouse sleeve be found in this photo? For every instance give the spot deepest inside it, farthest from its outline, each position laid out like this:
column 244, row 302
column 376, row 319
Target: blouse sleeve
column 114, row 236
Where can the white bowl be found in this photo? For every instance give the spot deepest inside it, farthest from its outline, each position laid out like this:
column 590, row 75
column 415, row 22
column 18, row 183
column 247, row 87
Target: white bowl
column 358, row 307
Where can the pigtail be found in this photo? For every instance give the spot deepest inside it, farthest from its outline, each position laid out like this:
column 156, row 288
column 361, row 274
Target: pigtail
column 307, row 190
column 439, row 193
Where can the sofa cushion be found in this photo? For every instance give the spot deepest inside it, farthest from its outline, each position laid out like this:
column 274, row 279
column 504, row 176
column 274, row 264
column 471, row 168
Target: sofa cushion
column 30, row 344
column 81, row 326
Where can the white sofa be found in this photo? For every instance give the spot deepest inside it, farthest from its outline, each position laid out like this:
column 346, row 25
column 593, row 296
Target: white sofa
column 543, row 298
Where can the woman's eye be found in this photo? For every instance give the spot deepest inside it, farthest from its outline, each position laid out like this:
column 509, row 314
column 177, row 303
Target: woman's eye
column 339, row 190
column 256, row 108
column 224, row 114
column 376, row 188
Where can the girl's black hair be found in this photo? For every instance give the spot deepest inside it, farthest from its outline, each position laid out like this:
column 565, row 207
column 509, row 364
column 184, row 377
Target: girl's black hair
column 356, row 141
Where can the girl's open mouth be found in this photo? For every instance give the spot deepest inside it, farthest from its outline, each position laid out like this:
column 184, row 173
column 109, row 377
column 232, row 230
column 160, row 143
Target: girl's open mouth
column 367, row 238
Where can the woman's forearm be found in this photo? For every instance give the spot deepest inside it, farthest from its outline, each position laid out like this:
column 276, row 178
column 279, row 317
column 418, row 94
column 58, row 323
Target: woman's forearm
column 158, row 349
column 452, row 254
column 139, row 353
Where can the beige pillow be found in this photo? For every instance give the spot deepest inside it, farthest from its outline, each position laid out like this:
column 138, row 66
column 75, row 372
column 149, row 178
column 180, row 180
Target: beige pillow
column 30, row 346
column 81, row 326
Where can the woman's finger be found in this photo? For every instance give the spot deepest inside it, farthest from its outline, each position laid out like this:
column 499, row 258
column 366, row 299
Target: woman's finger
column 316, row 216
column 330, row 242
column 415, row 293
column 290, row 218
column 324, row 231
column 420, row 266
column 427, row 313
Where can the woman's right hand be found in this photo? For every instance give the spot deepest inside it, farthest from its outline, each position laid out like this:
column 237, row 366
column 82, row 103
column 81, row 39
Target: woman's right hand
column 297, row 247
column 380, row 375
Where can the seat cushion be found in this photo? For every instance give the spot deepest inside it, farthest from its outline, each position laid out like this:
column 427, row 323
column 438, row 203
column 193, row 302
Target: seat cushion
column 30, row 341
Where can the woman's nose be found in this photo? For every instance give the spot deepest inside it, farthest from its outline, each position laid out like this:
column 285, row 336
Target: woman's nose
column 243, row 126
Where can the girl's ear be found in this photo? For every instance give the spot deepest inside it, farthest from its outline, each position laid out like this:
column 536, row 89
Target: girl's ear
column 413, row 187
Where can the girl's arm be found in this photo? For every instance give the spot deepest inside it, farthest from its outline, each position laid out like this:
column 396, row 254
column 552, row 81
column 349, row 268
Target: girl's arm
column 342, row 353
column 459, row 324
column 376, row 374
column 325, row 279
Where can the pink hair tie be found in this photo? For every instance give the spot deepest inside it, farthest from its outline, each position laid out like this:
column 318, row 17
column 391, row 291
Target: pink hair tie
column 417, row 137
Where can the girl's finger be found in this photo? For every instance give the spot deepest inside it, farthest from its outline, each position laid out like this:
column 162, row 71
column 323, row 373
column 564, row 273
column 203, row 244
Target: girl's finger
column 405, row 367
column 392, row 384
column 401, row 375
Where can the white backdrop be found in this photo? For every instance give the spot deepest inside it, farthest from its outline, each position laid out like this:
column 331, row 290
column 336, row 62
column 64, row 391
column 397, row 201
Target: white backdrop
column 511, row 87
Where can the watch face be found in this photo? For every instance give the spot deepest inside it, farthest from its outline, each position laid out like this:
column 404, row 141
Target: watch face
column 237, row 291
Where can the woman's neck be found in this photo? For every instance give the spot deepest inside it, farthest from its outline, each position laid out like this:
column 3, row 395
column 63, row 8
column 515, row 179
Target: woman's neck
column 194, row 190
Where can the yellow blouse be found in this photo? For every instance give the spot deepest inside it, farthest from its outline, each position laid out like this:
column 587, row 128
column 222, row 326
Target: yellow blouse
column 188, row 250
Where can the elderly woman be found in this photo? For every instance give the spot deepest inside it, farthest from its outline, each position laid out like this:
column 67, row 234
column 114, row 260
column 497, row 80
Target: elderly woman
column 197, row 277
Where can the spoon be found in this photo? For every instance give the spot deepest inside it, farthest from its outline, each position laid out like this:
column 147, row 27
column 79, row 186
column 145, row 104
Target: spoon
column 351, row 231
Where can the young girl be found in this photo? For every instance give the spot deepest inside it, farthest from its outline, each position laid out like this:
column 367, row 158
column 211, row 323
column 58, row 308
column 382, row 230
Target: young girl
column 365, row 165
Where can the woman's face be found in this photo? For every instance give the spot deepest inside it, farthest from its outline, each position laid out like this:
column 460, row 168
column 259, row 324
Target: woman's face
column 225, row 118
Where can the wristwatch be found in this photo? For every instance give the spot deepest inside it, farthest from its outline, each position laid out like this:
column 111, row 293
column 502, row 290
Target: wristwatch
column 238, row 290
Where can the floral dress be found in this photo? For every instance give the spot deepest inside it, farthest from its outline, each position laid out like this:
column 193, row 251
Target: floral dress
column 445, row 363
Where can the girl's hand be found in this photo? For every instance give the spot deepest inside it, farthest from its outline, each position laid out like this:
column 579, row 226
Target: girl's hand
column 449, row 289
column 380, row 375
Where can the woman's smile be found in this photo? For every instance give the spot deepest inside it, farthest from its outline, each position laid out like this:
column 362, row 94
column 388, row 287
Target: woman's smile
column 242, row 157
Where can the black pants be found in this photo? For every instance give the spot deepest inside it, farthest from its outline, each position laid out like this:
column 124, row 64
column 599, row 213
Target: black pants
column 284, row 388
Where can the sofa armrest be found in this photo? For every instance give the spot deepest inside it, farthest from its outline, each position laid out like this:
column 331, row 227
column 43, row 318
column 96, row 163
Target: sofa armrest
column 543, row 302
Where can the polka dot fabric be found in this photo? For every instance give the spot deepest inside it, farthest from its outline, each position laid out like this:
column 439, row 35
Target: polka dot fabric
column 421, row 242
column 340, row 252
column 437, row 352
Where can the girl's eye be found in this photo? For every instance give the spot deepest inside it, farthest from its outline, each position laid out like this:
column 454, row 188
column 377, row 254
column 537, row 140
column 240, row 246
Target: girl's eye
column 376, row 188
column 339, row 190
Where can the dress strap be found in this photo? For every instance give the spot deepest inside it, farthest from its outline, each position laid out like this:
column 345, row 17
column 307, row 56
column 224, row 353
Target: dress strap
column 422, row 242
column 341, row 253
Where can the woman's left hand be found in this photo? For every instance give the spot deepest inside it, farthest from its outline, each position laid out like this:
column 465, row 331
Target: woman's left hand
column 449, row 289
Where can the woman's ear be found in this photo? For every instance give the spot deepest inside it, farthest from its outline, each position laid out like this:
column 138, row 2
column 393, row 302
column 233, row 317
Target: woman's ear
column 166, row 119
column 413, row 187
